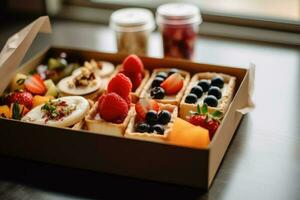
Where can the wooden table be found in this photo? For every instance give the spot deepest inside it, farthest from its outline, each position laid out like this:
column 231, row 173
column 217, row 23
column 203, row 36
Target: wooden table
column 262, row 162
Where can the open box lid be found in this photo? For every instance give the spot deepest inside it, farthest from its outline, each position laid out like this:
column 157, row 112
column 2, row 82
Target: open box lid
column 16, row 47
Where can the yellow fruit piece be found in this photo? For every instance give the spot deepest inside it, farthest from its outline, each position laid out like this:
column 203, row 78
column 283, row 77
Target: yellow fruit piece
column 38, row 100
column 17, row 83
column 5, row 111
column 184, row 133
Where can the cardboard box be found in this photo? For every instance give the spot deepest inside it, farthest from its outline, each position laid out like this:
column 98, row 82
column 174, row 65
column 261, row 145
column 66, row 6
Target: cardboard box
column 118, row 155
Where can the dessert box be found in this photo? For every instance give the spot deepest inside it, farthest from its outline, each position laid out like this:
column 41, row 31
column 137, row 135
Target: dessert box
column 150, row 160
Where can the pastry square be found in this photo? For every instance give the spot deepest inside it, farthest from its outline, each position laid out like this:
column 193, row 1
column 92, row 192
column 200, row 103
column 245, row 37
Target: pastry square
column 135, row 95
column 131, row 133
column 95, row 124
column 223, row 102
column 168, row 99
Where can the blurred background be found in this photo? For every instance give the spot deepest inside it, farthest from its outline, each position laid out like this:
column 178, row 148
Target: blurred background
column 227, row 18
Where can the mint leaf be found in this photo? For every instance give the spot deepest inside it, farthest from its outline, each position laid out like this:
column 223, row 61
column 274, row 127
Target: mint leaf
column 217, row 114
column 16, row 112
column 198, row 109
column 204, row 109
column 20, row 81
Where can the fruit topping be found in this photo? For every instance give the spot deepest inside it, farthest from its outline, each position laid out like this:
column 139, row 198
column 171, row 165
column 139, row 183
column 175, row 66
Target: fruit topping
column 57, row 63
column 151, row 117
column 144, row 105
column 204, row 85
column 120, row 84
column 197, row 90
column 215, row 91
column 51, row 88
column 211, row 101
column 172, row 71
column 35, row 85
column 133, row 64
column 206, row 120
column 157, row 81
column 184, row 133
column 142, row 127
column 38, row 100
column 17, row 82
column 4, row 111
column 163, row 75
column 158, row 129
column 164, row 117
column 157, row 93
column 191, row 98
column 17, row 111
column 173, row 84
column 217, row 81
column 24, row 98
column 112, row 108
column 136, row 80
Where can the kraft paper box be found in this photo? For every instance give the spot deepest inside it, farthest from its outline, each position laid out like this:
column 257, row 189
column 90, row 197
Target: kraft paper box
column 117, row 155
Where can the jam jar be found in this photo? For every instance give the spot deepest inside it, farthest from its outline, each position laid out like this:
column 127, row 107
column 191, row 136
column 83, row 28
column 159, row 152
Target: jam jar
column 178, row 24
column 133, row 27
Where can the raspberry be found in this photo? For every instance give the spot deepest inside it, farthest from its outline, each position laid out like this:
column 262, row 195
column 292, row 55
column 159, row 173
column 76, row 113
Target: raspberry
column 136, row 80
column 113, row 108
column 133, row 64
column 120, row 84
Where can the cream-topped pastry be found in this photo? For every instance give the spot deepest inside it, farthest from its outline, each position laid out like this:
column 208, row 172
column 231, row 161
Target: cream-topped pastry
column 214, row 89
column 82, row 82
column 166, row 85
column 61, row 112
column 102, row 68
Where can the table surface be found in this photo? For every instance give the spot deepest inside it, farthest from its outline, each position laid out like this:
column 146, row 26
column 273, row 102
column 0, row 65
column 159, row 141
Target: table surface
column 262, row 161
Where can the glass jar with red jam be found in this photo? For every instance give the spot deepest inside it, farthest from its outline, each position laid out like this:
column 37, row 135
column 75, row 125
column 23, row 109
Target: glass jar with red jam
column 178, row 23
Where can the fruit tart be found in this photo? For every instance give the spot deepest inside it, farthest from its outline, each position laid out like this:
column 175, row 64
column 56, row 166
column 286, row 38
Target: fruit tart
column 214, row 89
column 61, row 112
column 84, row 82
column 111, row 113
column 166, row 85
column 133, row 68
column 151, row 121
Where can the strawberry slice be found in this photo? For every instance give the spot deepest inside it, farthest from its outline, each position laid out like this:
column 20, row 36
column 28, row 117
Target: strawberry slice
column 172, row 84
column 133, row 64
column 35, row 85
column 144, row 105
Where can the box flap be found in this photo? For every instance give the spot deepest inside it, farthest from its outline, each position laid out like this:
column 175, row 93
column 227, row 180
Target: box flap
column 16, row 47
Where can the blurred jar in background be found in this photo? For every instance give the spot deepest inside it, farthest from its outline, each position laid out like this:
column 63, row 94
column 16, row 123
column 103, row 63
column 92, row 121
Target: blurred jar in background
column 133, row 27
column 178, row 23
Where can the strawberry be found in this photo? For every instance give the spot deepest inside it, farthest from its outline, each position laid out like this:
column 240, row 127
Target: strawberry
column 24, row 98
column 35, row 84
column 113, row 108
column 144, row 105
column 203, row 118
column 172, row 84
column 120, row 84
column 133, row 64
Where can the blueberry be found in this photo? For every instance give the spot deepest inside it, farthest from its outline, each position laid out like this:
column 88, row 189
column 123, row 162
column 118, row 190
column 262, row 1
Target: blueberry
column 151, row 117
column 197, row 90
column 217, row 81
column 157, row 81
column 211, row 101
column 215, row 91
column 157, row 93
column 164, row 117
column 204, row 84
column 159, row 129
column 173, row 71
column 191, row 98
column 142, row 127
column 163, row 75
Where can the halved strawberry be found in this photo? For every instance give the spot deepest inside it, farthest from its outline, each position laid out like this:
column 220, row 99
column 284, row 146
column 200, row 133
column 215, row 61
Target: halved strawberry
column 35, row 85
column 133, row 64
column 172, row 84
column 144, row 105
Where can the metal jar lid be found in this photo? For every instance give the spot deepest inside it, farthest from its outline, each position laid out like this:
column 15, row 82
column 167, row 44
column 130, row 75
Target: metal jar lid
column 132, row 20
column 178, row 14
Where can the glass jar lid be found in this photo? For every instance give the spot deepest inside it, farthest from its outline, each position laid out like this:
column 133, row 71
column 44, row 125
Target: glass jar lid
column 178, row 14
column 132, row 20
